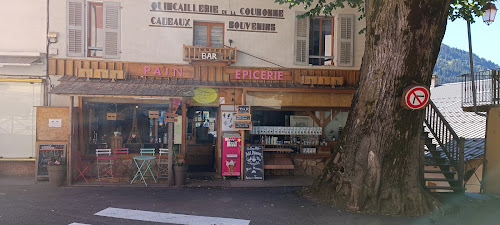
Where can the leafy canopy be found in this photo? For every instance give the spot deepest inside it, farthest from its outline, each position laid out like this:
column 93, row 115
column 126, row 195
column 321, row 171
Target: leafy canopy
column 466, row 9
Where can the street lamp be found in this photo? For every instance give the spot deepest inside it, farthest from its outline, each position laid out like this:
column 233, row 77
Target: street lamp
column 489, row 13
column 488, row 17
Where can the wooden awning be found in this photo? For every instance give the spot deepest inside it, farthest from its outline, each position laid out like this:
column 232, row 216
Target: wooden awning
column 76, row 86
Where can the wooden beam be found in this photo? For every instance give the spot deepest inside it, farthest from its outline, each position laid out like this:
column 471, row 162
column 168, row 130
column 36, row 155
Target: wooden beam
column 311, row 114
column 80, row 126
column 322, row 123
column 329, row 118
column 184, row 126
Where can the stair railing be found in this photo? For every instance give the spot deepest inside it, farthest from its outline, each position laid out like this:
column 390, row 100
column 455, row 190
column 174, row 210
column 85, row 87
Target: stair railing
column 448, row 140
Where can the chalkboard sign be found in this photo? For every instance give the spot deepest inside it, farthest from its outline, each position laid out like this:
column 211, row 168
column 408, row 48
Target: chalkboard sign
column 243, row 109
column 243, row 117
column 45, row 152
column 243, row 125
column 254, row 163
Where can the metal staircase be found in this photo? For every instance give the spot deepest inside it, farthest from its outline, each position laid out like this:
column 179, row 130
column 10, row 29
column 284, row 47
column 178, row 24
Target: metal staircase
column 444, row 151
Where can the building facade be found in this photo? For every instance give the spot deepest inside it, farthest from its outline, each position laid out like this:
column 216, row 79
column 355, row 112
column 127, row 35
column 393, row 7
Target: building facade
column 22, row 82
column 128, row 68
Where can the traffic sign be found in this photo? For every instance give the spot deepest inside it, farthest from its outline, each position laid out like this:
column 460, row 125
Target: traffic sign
column 416, row 97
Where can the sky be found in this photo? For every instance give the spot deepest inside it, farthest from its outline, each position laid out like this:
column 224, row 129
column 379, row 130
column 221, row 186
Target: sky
column 484, row 38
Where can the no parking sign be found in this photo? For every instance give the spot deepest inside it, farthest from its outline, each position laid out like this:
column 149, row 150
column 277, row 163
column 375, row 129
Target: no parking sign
column 416, row 97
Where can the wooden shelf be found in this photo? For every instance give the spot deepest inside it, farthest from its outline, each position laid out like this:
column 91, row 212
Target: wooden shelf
column 288, row 150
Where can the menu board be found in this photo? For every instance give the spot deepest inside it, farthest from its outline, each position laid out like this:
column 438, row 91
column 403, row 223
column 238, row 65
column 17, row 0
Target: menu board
column 45, row 151
column 254, row 163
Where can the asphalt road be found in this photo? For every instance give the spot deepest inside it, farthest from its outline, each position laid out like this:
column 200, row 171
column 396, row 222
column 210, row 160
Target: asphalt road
column 42, row 204
column 28, row 203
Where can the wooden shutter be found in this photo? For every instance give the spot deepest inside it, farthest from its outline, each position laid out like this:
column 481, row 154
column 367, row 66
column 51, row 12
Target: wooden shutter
column 301, row 40
column 111, row 24
column 345, row 44
column 75, row 16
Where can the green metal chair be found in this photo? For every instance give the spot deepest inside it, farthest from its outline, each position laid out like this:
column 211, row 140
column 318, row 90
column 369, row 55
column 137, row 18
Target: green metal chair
column 148, row 151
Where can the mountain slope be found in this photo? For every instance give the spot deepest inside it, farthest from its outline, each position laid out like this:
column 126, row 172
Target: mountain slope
column 453, row 62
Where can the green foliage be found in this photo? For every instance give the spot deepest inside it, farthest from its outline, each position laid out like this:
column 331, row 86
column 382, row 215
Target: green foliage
column 466, row 9
column 453, row 62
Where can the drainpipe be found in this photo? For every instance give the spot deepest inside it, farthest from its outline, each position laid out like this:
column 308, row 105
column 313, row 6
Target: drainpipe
column 47, row 78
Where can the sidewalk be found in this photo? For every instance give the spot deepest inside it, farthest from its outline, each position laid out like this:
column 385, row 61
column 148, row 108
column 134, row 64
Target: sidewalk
column 274, row 181
column 16, row 180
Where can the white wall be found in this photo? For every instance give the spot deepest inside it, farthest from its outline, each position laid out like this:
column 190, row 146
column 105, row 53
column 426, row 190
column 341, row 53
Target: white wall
column 143, row 43
column 23, row 25
column 23, row 31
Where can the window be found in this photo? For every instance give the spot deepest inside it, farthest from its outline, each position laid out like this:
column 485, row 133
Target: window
column 321, row 41
column 99, row 35
column 208, row 34
column 95, row 30
column 324, row 41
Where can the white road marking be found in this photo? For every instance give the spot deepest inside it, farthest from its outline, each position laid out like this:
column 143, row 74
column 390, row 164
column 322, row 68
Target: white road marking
column 169, row 217
column 78, row 224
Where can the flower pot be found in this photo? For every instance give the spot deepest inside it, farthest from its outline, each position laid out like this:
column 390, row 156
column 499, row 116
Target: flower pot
column 180, row 175
column 57, row 175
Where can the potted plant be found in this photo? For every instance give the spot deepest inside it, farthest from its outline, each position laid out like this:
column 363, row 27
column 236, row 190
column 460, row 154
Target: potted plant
column 57, row 169
column 180, row 171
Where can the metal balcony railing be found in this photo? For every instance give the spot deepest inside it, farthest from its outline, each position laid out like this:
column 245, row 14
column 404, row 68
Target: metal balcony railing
column 487, row 89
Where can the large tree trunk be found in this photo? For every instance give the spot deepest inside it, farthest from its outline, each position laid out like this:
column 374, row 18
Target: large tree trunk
column 381, row 164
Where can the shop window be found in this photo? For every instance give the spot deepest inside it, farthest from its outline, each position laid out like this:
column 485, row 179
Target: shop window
column 208, row 34
column 103, row 29
column 315, row 41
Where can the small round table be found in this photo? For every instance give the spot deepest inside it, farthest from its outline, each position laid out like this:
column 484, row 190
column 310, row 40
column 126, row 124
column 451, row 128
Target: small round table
column 145, row 166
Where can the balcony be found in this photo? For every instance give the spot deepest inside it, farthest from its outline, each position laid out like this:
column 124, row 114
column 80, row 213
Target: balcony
column 209, row 54
column 487, row 86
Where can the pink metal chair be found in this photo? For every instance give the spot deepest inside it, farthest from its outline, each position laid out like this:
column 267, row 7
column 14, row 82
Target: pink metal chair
column 104, row 162
column 118, row 151
column 118, row 164
column 81, row 167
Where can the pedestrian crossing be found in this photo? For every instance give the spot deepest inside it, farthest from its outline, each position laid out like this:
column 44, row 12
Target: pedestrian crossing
column 171, row 218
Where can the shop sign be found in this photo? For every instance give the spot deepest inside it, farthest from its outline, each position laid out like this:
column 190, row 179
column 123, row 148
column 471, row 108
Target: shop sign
column 243, row 109
column 257, row 74
column 233, row 25
column 416, row 97
column 204, row 95
column 160, row 70
column 243, row 125
column 243, row 117
column 210, row 56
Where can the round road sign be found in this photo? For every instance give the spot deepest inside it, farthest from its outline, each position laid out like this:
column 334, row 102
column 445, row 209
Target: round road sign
column 416, row 97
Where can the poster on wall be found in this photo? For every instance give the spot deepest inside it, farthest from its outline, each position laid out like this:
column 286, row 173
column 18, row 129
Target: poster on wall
column 178, row 131
column 228, row 121
column 301, row 121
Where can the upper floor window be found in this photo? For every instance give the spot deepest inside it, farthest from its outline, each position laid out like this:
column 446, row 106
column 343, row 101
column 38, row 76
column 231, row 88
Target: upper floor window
column 208, row 34
column 101, row 38
column 95, row 37
column 324, row 41
column 321, row 41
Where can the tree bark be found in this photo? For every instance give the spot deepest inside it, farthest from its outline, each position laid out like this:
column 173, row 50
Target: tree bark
column 381, row 154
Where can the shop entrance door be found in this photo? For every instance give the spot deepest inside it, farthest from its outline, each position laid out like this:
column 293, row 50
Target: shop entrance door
column 201, row 138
